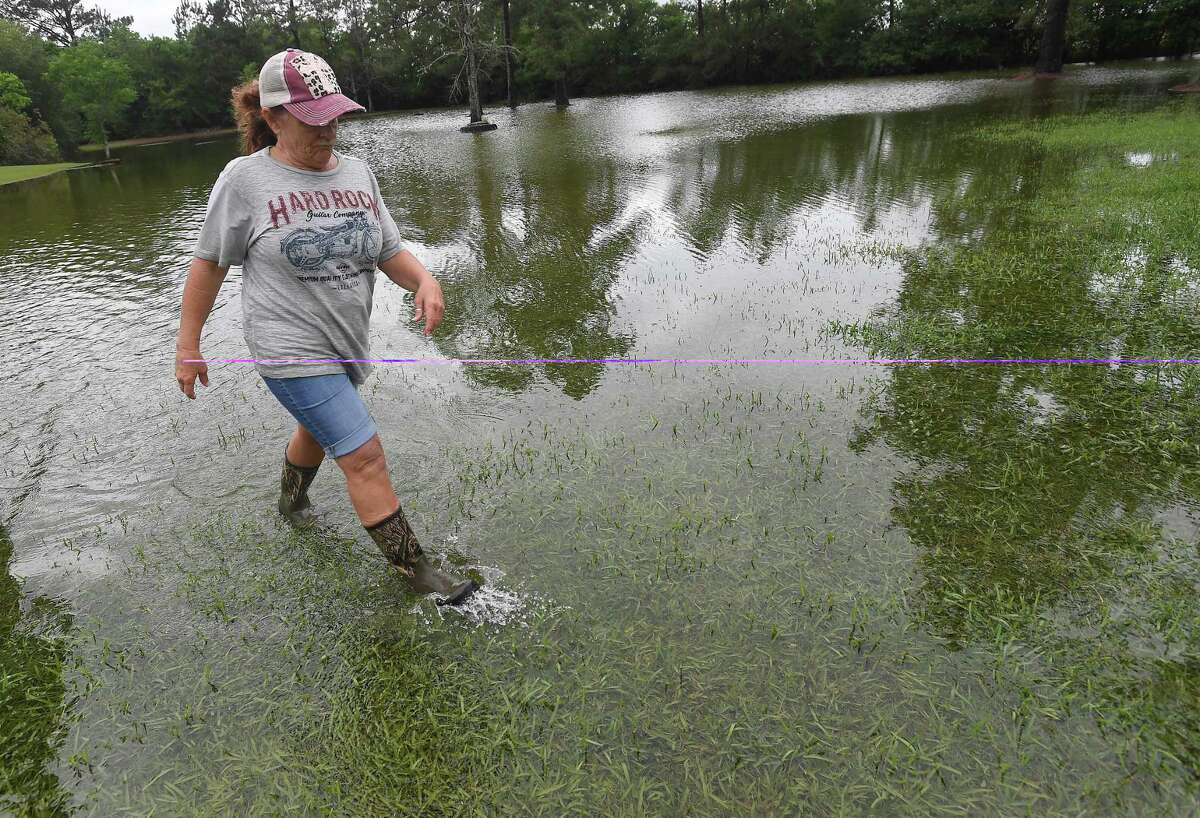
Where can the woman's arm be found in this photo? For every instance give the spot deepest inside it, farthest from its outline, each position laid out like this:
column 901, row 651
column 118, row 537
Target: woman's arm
column 406, row 270
column 204, row 280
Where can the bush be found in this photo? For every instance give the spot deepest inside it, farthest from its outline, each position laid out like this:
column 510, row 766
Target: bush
column 23, row 142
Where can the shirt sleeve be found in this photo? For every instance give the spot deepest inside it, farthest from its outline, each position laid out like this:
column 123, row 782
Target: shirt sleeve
column 225, row 234
column 391, row 244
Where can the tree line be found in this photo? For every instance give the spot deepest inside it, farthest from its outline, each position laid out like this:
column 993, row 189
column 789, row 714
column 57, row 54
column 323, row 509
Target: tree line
column 70, row 72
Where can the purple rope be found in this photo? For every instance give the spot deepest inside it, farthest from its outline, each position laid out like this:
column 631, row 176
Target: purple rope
column 704, row 361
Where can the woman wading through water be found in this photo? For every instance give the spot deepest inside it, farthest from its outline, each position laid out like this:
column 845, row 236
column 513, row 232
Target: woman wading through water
column 309, row 228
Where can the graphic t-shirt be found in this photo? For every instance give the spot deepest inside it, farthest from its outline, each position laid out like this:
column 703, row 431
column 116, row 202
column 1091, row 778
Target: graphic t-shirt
column 309, row 243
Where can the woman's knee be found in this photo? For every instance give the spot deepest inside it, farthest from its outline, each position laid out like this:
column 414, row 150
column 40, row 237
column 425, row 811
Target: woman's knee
column 366, row 461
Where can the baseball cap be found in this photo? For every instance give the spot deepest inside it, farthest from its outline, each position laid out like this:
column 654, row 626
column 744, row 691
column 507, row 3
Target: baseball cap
column 305, row 85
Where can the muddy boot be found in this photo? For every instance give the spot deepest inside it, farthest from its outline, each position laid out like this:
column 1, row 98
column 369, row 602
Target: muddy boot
column 398, row 543
column 293, row 493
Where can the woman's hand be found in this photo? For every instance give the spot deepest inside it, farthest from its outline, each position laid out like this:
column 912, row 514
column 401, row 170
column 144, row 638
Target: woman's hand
column 185, row 373
column 199, row 292
column 406, row 270
column 429, row 303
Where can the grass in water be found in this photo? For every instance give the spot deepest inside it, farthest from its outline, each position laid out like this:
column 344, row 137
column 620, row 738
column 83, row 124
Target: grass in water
column 933, row 591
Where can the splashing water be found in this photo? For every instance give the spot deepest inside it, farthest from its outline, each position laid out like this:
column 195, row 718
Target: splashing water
column 490, row 605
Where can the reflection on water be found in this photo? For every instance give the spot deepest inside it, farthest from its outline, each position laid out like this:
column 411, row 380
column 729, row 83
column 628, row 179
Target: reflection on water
column 546, row 248
column 1038, row 494
column 1033, row 486
column 629, row 504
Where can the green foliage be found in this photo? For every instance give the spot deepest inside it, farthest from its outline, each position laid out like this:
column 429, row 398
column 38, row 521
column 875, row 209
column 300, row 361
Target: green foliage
column 24, row 143
column 63, row 22
column 393, row 53
column 931, row 35
column 554, row 36
column 12, row 92
column 1118, row 29
column 22, row 140
column 28, row 56
column 96, row 85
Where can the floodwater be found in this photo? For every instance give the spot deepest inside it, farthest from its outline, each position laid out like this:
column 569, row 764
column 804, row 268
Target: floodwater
column 711, row 589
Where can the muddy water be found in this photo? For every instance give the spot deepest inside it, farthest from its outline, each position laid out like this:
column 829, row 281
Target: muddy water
column 724, row 577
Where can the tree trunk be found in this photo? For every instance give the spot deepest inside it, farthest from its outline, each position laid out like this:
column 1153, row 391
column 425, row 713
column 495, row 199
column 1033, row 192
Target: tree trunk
column 560, row 91
column 107, row 152
column 1054, row 38
column 507, row 51
column 700, row 18
column 292, row 23
column 468, row 40
column 473, row 85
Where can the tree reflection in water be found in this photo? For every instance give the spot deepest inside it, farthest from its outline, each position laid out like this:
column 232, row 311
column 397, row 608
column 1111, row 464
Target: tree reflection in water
column 1039, row 494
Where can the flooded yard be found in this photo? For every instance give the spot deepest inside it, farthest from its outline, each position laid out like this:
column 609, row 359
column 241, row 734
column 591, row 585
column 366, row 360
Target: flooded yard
column 713, row 586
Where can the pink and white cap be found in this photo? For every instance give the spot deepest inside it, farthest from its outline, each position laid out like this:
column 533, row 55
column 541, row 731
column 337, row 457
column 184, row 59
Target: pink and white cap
column 305, row 85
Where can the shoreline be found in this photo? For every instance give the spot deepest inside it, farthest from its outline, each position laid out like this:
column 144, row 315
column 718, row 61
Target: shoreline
column 15, row 174
column 143, row 141
column 990, row 73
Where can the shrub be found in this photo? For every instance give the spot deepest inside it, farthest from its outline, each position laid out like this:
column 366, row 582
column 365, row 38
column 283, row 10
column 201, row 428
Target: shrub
column 23, row 142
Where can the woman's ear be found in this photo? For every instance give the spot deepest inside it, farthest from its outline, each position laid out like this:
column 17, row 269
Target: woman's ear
column 269, row 116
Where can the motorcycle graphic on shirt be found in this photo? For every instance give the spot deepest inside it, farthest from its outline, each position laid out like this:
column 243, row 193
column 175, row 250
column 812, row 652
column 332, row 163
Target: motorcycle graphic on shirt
column 307, row 248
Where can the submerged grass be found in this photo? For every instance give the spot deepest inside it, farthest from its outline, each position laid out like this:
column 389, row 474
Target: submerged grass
column 1097, row 261
column 273, row 687
column 1040, row 494
column 735, row 631
column 33, row 647
column 932, row 592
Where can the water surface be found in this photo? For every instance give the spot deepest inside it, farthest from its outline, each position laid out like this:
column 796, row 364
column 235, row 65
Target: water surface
column 715, row 589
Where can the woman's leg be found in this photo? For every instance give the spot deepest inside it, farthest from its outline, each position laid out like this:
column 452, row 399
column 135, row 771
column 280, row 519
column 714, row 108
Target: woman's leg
column 367, row 480
column 334, row 417
column 379, row 511
column 303, row 449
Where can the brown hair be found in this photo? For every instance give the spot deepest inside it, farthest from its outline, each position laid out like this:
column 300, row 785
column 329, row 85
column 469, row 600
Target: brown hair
column 247, row 112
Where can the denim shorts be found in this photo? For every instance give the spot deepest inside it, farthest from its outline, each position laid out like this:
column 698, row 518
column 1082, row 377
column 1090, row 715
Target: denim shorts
column 329, row 407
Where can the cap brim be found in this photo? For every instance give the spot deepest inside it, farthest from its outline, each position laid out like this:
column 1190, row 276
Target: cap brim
column 322, row 110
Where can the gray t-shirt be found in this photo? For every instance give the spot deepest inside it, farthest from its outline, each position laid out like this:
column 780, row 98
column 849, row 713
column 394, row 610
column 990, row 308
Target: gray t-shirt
column 309, row 243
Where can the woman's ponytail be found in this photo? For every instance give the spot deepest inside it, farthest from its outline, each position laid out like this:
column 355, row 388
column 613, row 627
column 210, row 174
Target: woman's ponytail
column 247, row 112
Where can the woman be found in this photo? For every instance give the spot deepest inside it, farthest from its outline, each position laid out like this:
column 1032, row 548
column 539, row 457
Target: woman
column 309, row 228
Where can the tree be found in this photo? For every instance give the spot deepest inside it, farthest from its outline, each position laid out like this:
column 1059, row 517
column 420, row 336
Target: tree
column 219, row 41
column 63, row 22
column 554, row 30
column 461, row 20
column 96, row 85
column 465, row 14
column 1179, row 22
column 12, row 93
column 358, row 34
column 28, row 56
column 22, row 140
column 507, row 51
column 1054, row 38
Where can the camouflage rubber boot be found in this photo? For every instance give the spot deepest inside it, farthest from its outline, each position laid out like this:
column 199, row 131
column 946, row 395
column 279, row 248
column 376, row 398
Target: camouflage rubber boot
column 293, row 493
column 398, row 543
